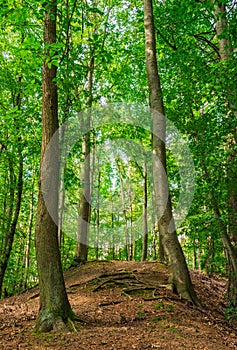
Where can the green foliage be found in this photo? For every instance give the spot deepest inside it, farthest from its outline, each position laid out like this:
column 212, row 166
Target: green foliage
column 195, row 85
column 231, row 312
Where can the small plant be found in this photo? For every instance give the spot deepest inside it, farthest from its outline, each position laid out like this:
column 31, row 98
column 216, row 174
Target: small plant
column 231, row 312
column 169, row 308
column 140, row 315
column 173, row 329
column 159, row 305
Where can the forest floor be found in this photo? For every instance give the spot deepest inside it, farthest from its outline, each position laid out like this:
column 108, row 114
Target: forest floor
column 124, row 305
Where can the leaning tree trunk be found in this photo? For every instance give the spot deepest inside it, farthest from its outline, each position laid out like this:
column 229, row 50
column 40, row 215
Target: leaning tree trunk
column 179, row 274
column 226, row 55
column 54, row 305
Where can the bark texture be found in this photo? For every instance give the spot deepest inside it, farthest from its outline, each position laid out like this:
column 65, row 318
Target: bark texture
column 179, row 274
column 226, row 55
column 15, row 190
column 54, row 305
column 85, row 198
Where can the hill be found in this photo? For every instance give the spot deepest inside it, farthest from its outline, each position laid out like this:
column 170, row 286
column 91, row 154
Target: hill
column 124, row 305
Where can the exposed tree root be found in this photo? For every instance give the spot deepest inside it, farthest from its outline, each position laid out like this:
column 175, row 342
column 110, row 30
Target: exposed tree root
column 128, row 282
column 49, row 321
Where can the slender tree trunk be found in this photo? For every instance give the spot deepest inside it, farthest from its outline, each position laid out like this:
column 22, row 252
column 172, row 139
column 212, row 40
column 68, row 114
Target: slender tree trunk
column 124, row 211
column 9, row 235
column 179, row 274
column 13, row 213
column 62, row 171
column 199, row 255
column 98, row 216
column 194, row 256
column 231, row 253
column 84, row 204
column 112, row 227
column 54, row 305
column 145, row 226
column 29, row 235
column 131, row 228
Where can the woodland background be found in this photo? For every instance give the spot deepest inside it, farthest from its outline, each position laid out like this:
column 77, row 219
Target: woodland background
column 100, row 59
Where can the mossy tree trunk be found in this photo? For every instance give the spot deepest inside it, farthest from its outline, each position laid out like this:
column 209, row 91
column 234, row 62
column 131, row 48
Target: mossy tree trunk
column 179, row 274
column 55, row 309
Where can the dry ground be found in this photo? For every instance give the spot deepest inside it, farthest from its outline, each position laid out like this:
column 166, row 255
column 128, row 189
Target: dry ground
column 124, row 305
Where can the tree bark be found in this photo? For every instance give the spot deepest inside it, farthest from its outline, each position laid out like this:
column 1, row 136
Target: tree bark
column 179, row 274
column 55, row 309
column 84, row 204
column 10, row 233
column 125, row 218
column 145, row 226
column 29, row 237
column 14, row 205
column 226, row 54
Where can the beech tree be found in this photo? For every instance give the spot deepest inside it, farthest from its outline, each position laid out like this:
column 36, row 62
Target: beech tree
column 55, row 309
column 229, row 236
column 179, row 275
column 100, row 55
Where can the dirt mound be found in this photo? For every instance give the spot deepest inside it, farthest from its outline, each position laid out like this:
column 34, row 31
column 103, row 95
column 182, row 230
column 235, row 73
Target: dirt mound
column 124, row 305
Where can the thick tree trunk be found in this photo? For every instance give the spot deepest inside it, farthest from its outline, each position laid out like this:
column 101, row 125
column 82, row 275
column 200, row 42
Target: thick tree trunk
column 226, row 54
column 221, row 25
column 179, row 274
column 54, row 305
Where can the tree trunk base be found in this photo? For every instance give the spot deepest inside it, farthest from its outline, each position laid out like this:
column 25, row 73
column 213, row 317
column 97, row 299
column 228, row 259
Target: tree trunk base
column 185, row 294
column 47, row 322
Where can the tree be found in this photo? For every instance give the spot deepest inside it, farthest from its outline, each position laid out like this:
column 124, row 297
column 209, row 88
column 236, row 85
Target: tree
column 179, row 275
column 226, row 57
column 15, row 189
column 55, row 309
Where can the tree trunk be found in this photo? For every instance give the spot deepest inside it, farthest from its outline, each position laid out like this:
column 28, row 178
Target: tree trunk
column 179, row 274
column 131, row 228
column 221, row 25
column 226, row 54
column 84, row 204
column 145, row 226
column 13, row 213
column 28, row 238
column 194, row 256
column 124, row 211
column 98, row 214
column 10, row 233
column 231, row 254
column 54, row 305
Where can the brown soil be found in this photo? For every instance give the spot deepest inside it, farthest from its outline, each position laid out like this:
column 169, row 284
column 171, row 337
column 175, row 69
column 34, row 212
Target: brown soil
column 124, row 305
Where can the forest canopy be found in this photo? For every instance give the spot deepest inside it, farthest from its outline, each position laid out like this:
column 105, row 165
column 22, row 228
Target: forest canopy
column 106, row 197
